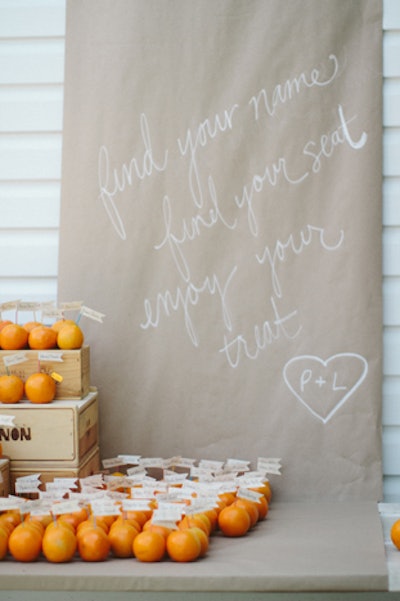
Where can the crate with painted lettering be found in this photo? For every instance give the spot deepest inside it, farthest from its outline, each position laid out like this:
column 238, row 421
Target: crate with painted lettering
column 73, row 367
column 47, row 471
column 61, row 432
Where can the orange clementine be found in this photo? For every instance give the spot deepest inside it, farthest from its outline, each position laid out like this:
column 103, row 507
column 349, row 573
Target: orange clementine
column 40, row 388
column 154, row 527
column 44, row 519
column 4, row 322
column 42, row 338
column 93, row 544
column 149, row 546
column 265, row 489
column 13, row 337
column 25, row 542
column 212, row 515
column 11, row 516
column 395, row 533
column 199, row 520
column 88, row 524
column 139, row 516
column 225, row 499
column 59, row 543
column 183, row 545
column 263, row 507
column 203, row 538
column 55, row 523
column 57, row 325
column 234, row 521
column 11, row 389
column 250, row 507
column 122, row 519
column 6, row 525
column 121, row 537
column 29, row 325
column 70, row 337
column 104, row 521
column 75, row 517
column 35, row 525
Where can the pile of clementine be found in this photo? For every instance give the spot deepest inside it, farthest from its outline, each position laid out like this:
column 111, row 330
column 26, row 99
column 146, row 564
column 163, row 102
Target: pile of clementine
column 39, row 387
column 134, row 534
column 64, row 334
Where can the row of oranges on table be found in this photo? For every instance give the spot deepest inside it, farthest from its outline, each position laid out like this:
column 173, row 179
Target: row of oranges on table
column 64, row 334
column 131, row 534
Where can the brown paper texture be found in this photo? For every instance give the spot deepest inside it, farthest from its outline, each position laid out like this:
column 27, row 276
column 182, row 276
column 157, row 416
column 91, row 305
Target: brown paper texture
column 221, row 205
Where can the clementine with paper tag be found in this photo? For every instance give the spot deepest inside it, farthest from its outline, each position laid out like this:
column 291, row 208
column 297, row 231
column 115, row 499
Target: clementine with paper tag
column 40, row 388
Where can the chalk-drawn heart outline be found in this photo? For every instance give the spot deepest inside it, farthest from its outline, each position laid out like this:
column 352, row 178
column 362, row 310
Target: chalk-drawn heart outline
column 325, row 363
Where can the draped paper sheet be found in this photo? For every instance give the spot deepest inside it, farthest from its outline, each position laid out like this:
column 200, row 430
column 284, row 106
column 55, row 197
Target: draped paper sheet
column 221, row 205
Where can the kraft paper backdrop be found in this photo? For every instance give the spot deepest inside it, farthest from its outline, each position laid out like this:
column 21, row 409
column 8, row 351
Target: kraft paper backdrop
column 221, row 205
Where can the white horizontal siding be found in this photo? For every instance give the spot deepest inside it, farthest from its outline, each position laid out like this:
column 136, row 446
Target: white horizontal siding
column 32, row 18
column 36, row 61
column 31, row 108
column 391, row 14
column 32, row 48
column 391, row 103
column 391, row 204
column 29, row 204
column 391, row 251
column 391, row 301
column 391, row 151
column 30, row 156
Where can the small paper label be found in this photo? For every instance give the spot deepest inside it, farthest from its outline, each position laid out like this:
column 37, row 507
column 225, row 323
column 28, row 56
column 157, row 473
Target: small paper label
column 96, row 480
column 214, row 466
column 65, row 482
column 129, row 459
column 7, row 420
column 111, row 462
column 250, row 495
column 9, row 305
column 269, row 466
column 104, row 507
column 236, row 465
column 51, row 356
column 26, row 487
column 51, row 312
column 28, row 306
column 63, row 507
column 71, row 306
column 92, row 314
column 135, row 504
column 168, row 513
column 14, row 359
column 8, row 503
column 152, row 462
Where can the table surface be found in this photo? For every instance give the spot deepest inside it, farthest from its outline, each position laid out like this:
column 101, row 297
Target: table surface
column 305, row 547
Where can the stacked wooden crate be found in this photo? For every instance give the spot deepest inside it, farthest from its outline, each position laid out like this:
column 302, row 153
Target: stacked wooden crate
column 58, row 439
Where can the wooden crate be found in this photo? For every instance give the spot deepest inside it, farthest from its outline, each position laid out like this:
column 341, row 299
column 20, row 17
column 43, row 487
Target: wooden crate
column 89, row 465
column 73, row 366
column 61, row 432
column 4, row 477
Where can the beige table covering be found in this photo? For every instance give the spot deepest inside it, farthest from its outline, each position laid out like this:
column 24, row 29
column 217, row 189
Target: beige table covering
column 327, row 546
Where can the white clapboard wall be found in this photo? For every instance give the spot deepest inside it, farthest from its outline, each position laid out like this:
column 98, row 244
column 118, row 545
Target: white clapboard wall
column 32, row 37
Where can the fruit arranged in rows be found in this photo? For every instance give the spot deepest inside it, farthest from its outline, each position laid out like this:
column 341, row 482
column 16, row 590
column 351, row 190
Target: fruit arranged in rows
column 136, row 534
column 64, row 334
column 39, row 388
